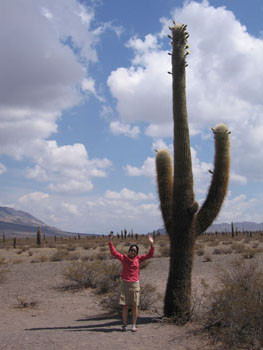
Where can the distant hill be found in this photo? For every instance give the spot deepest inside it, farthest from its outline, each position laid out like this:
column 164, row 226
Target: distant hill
column 17, row 222
column 225, row 227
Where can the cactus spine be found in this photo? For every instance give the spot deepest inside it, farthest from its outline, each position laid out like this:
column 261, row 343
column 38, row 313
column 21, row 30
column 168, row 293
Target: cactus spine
column 183, row 219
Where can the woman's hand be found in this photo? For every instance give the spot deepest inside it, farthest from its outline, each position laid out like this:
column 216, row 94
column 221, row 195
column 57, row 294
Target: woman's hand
column 150, row 239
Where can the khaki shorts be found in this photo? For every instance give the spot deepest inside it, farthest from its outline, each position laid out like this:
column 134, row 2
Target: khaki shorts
column 130, row 293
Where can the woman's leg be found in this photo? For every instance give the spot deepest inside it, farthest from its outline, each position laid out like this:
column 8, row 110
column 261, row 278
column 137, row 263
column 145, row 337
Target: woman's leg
column 125, row 314
column 134, row 314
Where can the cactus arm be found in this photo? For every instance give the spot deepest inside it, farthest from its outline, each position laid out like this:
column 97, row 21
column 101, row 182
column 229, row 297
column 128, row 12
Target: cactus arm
column 220, row 179
column 164, row 171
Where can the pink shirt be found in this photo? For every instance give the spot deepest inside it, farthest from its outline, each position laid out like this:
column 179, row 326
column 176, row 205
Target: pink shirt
column 130, row 267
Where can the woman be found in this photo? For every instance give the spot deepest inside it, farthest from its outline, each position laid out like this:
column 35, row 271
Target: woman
column 130, row 290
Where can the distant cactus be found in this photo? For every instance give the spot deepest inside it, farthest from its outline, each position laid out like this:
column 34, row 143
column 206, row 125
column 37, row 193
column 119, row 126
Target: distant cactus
column 39, row 236
column 232, row 230
column 183, row 219
column 14, row 243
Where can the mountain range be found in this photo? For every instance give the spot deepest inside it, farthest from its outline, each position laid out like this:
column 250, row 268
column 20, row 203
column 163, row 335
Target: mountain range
column 17, row 222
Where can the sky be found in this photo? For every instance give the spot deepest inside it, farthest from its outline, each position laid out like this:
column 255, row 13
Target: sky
column 85, row 99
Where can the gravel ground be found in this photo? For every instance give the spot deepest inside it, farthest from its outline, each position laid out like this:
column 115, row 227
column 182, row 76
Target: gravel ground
column 35, row 313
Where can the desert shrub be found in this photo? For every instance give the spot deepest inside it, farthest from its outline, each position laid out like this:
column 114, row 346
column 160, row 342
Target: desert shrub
column 162, row 243
column 39, row 259
column 100, row 256
column 165, row 251
column 87, row 246
column 148, row 297
column 81, row 274
column 104, row 249
column 23, row 303
column 207, row 258
column 2, row 275
column 71, row 248
column 3, row 261
column 108, row 277
column 248, row 253
column 144, row 264
column 17, row 261
column 60, row 255
column 222, row 251
column 238, row 248
column 235, row 314
column 227, row 242
column 93, row 274
column 200, row 250
column 213, row 243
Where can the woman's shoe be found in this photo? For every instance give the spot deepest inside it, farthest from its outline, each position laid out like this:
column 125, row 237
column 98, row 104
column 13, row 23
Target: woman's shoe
column 134, row 328
column 124, row 328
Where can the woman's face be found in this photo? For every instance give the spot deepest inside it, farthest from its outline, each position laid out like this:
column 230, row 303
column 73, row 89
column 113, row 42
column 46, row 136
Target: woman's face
column 132, row 252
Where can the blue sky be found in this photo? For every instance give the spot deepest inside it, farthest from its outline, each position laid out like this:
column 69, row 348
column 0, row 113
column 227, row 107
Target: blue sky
column 86, row 98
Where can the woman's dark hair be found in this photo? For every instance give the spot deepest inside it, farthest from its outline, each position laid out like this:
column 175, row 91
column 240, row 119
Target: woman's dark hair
column 136, row 247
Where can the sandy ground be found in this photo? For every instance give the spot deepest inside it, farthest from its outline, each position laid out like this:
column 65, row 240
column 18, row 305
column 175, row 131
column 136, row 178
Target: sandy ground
column 57, row 319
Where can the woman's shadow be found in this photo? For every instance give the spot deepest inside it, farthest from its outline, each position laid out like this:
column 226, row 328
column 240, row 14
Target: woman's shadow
column 104, row 324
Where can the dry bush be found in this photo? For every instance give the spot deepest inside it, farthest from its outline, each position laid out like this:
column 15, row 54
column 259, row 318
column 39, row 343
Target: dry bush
column 164, row 251
column 222, row 251
column 3, row 273
column 17, row 261
column 148, row 297
column 227, row 242
column 93, row 274
column 71, row 248
column 248, row 253
column 144, row 264
column 23, row 303
column 238, row 248
column 3, row 261
column 235, row 315
column 200, row 250
column 87, row 246
column 213, row 243
column 60, row 255
column 39, row 259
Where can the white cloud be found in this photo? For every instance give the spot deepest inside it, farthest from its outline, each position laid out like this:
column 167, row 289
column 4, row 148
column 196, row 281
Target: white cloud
column 147, row 169
column 33, row 197
column 95, row 214
column 68, row 169
column 72, row 209
column 126, row 194
column 2, row 168
column 241, row 209
column 238, row 179
column 224, row 82
column 46, row 48
column 119, row 128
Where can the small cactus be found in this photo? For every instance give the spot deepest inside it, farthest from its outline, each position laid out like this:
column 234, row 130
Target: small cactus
column 183, row 219
column 39, row 236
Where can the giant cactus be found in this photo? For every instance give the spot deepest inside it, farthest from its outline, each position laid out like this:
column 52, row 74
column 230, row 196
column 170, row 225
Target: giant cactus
column 183, row 219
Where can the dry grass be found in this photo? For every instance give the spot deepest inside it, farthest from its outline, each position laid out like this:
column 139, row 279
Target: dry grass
column 235, row 314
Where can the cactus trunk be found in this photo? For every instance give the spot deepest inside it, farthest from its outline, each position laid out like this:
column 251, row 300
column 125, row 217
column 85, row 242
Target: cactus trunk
column 182, row 219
